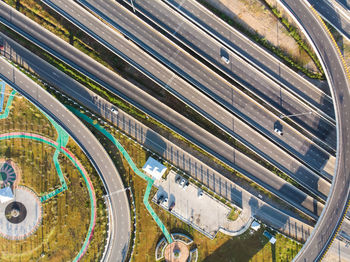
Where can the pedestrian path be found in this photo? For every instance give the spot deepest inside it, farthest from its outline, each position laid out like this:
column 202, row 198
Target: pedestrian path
column 8, row 104
column 62, row 141
column 59, row 144
column 2, row 83
column 131, row 163
column 82, row 171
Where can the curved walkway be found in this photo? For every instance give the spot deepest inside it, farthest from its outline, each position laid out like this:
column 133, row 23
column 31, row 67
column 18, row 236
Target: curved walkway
column 82, row 171
column 149, row 180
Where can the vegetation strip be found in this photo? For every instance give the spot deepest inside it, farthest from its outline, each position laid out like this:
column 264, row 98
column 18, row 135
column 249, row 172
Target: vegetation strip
column 149, row 180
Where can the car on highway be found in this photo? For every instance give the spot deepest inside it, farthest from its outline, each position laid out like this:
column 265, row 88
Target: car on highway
column 1, row 44
column 225, row 59
column 165, row 201
column 182, row 182
column 114, row 111
column 185, row 185
column 278, row 131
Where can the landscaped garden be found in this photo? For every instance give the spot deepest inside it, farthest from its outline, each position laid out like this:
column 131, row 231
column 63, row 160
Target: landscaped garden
column 58, row 179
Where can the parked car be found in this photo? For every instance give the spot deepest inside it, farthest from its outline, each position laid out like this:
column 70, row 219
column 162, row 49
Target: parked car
column 278, row 131
column 171, row 206
column 182, row 183
column 200, row 193
column 114, row 111
column 160, row 199
column 185, row 185
column 178, row 180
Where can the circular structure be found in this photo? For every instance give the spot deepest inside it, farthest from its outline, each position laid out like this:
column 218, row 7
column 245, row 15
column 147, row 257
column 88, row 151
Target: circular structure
column 21, row 216
column 176, row 252
column 15, row 212
column 7, row 173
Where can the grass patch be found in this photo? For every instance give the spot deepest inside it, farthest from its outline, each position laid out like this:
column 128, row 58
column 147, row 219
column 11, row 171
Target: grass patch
column 66, row 217
column 234, row 214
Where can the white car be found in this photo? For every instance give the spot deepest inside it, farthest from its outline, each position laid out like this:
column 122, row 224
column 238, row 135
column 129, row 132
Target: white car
column 114, row 111
column 165, row 200
column 182, row 183
column 200, row 193
column 225, row 59
column 278, row 131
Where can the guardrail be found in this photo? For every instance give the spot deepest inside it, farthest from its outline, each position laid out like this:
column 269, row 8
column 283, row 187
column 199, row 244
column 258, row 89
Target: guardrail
column 187, row 101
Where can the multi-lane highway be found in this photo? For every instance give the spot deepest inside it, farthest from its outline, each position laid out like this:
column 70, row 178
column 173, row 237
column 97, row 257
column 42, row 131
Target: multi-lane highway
column 159, row 111
column 337, row 77
column 255, row 55
column 238, row 70
column 333, row 13
column 183, row 64
column 218, row 115
column 261, row 209
column 118, row 207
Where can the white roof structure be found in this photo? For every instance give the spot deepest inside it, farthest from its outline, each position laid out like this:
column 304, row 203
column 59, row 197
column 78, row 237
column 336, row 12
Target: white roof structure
column 154, row 168
column 5, row 194
column 255, row 225
column 272, row 240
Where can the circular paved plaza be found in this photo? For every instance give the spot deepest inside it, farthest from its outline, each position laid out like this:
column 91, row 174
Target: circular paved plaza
column 21, row 216
column 176, row 252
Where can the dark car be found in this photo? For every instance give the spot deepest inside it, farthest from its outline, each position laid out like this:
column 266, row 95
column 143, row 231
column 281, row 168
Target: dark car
column 160, row 199
column 171, row 206
column 1, row 44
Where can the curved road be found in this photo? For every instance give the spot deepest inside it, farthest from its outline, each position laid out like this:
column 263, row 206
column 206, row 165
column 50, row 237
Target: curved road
column 120, row 222
column 337, row 77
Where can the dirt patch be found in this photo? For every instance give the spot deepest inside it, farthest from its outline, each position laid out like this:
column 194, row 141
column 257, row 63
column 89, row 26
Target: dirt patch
column 255, row 16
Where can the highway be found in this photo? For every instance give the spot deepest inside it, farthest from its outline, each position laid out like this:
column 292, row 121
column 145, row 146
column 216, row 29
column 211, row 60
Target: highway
column 157, row 110
column 202, row 104
column 254, row 54
column 119, row 224
column 337, row 77
column 333, row 15
column 238, row 70
column 183, row 64
column 174, row 152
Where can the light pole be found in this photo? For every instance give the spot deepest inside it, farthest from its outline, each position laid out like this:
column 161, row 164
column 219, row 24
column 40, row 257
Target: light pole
column 284, row 116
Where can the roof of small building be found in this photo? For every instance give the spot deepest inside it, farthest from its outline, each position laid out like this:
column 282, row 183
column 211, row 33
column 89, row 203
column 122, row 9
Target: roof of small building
column 255, row 225
column 154, row 168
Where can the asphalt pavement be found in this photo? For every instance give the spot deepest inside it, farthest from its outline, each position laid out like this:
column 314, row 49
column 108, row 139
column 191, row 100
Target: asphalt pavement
column 274, row 215
column 313, row 92
column 337, row 77
column 233, row 126
column 238, row 70
column 157, row 110
column 119, row 213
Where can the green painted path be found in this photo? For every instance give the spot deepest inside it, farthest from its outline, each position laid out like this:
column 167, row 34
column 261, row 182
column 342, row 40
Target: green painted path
column 62, row 141
column 60, row 144
column 8, row 104
column 149, row 180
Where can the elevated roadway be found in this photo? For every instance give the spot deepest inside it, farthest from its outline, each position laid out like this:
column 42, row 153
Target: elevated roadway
column 202, row 104
column 133, row 95
column 230, row 38
column 238, row 70
column 261, row 208
column 118, row 205
column 184, row 65
column 338, row 80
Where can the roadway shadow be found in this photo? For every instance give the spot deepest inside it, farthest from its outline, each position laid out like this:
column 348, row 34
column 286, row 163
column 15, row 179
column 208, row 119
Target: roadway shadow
column 155, row 143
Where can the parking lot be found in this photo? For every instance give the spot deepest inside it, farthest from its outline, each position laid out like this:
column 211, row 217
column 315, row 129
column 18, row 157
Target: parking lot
column 204, row 213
